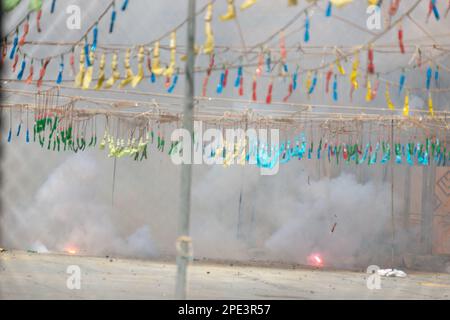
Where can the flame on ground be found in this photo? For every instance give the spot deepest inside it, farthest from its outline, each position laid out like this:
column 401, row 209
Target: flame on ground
column 71, row 250
column 315, row 260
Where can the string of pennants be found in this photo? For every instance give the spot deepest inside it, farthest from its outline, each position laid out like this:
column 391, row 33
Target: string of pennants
column 149, row 58
column 60, row 130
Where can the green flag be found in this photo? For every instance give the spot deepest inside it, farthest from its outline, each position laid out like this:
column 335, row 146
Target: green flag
column 8, row 5
column 35, row 5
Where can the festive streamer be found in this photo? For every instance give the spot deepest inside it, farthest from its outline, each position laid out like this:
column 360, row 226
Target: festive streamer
column 30, row 76
column 72, row 62
column 375, row 89
column 340, row 3
column 294, row 80
column 174, row 83
column 61, row 69
column 340, row 67
column 22, row 69
column 89, row 71
column 430, row 104
column 231, row 12
column 329, row 9
column 268, row 62
column 241, row 85
column 125, row 5
column 335, row 88
column 208, row 47
column 173, row 55
column 113, row 19
column 328, row 79
column 149, row 67
column 388, row 98
column 14, row 46
column 269, row 93
column 401, row 82
column 128, row 72
column 290, row 90
column 16, row 60
column 436, row 76
column 87, row 53
column 313, row 84
column 115, row 74
column 26, row 29
column 9, row 5
column 393, row 8
column 406, row 105
column 247, row 4
column 140, row 74
column 156, row 66
column 259, row 68
column 220, row 86
column 94, row 36
column 52, row 8
column 101, row 73
column 306, row 36
column 369, row 91
column 354, row 74
column 238, row 77
column 80, row 76
column 371, row 65
column 254, row 98
column 208, row 74
column 4, row 50
column 35, row 5
column 429, row 75
column 38, row 21
column 19, row 128
column 400, row 39
column 283, row 52
column 433, row 9
column 225, row 78
column 42, row 72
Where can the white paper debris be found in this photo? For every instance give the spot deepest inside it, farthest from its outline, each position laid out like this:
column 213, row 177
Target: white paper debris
column 391, row 273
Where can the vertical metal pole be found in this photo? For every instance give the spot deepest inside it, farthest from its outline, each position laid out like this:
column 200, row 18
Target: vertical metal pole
column 186, row 169
column 392, row 195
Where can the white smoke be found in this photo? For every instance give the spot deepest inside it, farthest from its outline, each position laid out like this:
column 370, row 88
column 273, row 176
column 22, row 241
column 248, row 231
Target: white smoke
column 69, row 211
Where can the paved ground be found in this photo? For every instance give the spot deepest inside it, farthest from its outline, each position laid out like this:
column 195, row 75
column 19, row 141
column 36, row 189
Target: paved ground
column 26, row 275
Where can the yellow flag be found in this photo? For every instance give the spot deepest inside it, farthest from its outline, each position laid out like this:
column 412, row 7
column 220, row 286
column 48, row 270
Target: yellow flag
column 89, row 72
column 231, row 12
column 128, row 72
column 173, row 55
column 354, row 74
column 369, row 91
column 430, row 104
column 80, row 76
column 388, row 98
column 101, row 73
column 340, row 67
column 208, row 47
column 140, row 74
column 340, row 3
column 156, row 66
column 247, row 4
column 406, row 105
column 115, row 75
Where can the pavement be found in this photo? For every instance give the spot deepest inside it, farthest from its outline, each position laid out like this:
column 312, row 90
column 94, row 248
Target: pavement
column 27, row 275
